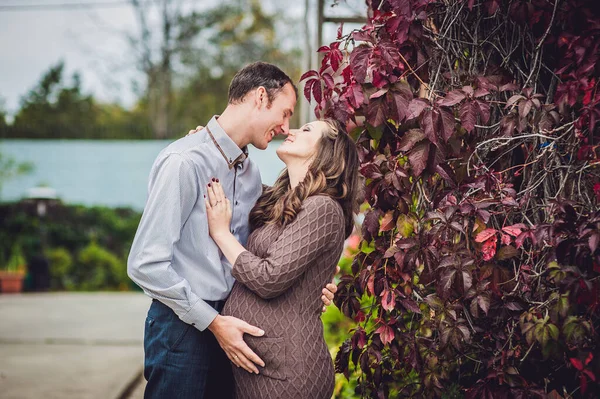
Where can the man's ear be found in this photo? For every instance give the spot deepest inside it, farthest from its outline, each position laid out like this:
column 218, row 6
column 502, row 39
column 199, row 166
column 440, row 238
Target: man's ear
column 260, row 97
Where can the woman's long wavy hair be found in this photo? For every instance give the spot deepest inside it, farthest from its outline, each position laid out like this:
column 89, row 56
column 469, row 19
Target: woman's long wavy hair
column 333, row 172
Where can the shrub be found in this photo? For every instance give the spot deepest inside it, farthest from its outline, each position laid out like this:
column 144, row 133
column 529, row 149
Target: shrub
column 479, row 270
column 61, row 267
column 98, row 268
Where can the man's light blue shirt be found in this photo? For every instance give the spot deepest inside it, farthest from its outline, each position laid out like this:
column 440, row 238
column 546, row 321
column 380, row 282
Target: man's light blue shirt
column 172, row 258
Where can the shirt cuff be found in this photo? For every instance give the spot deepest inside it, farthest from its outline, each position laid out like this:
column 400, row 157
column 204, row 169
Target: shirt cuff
column 200, row 315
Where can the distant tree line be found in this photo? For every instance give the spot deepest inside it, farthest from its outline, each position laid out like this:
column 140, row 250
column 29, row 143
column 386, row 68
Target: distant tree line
column 185, row 64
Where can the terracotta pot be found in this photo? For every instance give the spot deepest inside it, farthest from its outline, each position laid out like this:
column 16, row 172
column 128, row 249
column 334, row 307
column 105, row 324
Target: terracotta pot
column 11, row 282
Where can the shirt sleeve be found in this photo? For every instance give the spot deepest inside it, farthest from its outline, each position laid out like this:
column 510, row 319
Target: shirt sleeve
column 316, row 228
column 172, row 194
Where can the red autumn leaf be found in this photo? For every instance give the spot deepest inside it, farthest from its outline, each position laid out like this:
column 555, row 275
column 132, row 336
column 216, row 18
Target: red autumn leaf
column 378, row 94
column 347, row 74
column 355, row 95
column 492, row 6
column 452, row 98
column 485, row 235
column 370, row 225
column 429, row 122
column 483, row 301
column 505, row 239
column 446, row 124
column 593, row 242
column 328, row 79
column 398, row 105
column 416, row 107
column 583, row 382
column 376, row 112
column 410, row 305
column 509, row 201
column 359, row 62
column 447, row 280
column 524, row 108
column 514, row 230
column 371, row 171
column 576, row 363
column 513, row 99
column 371, row 284
column 389, row 52
column 402, row 7
column 489, row 249
column 468, row 115
column 418, row 158
column 387, row 222
column 309, row 74
column 388, row 299
column 590, row 374
column 480, row 93
column 522, row 237
column 386, row 334
column 484, row 111
column 467, row 280
column 410, row 138
column 308, row 88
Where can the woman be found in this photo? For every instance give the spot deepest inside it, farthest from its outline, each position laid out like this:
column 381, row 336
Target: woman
column 299, row 227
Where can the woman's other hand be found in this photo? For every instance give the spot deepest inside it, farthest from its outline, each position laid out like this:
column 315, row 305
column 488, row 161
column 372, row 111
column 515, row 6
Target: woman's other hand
column 218, row 209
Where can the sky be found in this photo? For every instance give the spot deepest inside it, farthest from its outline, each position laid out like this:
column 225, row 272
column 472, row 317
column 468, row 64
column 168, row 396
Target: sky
column 32, row 41
column 90, row 41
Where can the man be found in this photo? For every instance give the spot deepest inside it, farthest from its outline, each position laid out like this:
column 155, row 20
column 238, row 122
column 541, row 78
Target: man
column 186, row 342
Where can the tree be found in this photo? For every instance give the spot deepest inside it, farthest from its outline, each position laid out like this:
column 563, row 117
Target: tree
column 53, row 109
column 9, row 169
column 479, row 270
column 3, row 123
column 190, row 57
column 229, row 37
column 157, row 56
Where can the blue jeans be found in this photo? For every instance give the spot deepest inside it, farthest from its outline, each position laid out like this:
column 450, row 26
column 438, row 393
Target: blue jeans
column 182, row 362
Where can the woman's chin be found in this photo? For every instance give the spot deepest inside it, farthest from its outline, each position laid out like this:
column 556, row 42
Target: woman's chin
column 281, row 154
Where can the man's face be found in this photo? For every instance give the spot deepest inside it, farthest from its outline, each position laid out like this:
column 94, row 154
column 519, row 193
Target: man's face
column 274, row 119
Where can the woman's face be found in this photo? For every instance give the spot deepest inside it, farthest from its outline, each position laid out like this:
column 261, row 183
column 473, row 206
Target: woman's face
column 301, row 144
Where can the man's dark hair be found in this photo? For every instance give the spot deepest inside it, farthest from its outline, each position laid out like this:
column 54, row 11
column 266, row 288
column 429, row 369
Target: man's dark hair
column 255, row 75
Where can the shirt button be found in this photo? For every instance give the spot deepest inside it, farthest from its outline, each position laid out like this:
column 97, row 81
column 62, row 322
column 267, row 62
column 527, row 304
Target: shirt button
column 236, row 202
column 232, row 231
column 193, row 324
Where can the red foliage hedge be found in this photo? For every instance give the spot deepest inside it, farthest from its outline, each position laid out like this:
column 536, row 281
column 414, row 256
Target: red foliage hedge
column 478, row 131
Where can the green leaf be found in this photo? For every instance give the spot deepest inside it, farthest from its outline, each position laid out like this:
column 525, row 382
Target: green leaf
column 562, row 305
column 405, row 225
column 367, row 248
column 553, row 331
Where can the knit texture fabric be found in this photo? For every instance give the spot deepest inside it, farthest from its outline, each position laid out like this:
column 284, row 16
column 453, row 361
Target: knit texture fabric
column 278, row 289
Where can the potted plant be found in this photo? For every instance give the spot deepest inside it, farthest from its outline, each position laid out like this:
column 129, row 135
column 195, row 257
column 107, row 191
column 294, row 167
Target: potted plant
column 13, row 273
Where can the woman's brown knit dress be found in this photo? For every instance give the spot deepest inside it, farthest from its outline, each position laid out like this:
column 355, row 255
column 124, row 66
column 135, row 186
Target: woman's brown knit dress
column 278, row 288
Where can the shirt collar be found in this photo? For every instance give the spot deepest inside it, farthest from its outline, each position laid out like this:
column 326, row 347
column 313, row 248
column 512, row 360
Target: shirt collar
column 228, row 148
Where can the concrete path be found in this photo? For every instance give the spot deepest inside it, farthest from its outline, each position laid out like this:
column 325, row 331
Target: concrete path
column 71, row 345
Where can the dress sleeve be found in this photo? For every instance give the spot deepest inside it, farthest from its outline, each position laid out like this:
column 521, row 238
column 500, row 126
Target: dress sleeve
column 317, row 227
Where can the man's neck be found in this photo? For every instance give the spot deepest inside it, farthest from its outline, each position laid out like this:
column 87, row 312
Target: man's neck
column 235, row 125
